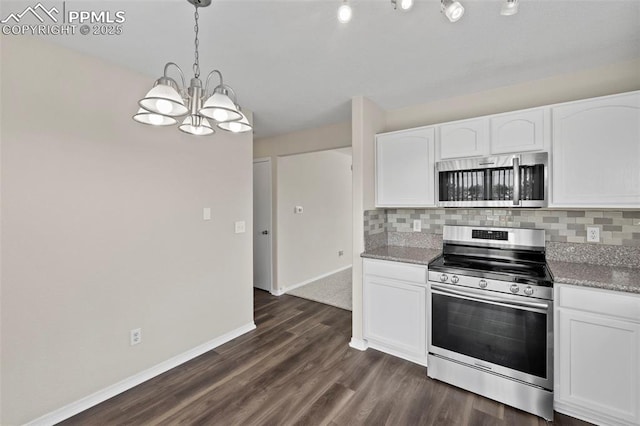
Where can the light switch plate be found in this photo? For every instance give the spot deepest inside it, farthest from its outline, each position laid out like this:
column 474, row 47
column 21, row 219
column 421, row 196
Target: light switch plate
column 298, row 210
column 240, row 227
column 206, row 213
column 417, row 225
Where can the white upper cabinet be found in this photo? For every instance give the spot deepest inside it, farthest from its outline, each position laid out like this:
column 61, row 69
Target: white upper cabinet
column 467, row 138
column 596, row 152
column 519, row 131
column 405, row 174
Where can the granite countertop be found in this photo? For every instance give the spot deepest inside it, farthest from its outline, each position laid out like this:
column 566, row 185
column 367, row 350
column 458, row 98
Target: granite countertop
column 580, row 274
column 421, row 256
column 597, row 276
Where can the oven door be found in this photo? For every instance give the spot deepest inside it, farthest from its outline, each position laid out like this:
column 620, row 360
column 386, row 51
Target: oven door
column 503, row 334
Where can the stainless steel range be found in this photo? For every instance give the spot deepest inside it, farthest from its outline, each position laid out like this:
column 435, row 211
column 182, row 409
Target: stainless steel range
column 491, row 328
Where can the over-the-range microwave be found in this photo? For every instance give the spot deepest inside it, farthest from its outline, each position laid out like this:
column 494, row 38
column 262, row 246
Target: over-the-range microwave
column 514, row 180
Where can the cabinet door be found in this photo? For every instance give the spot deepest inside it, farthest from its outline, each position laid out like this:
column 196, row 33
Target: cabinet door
column 519, row 131
column 596, row 153
column 405, row 169
column 466, row 138
column 598, row 367
column 395, row 317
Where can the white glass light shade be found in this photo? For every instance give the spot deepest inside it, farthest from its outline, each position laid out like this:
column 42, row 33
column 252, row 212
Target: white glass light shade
column 165, row 100
column 238, row 126
column 406, row 4
column 220, row 108
column 145, row 117
column 203, row 129
column 509, row 7
column 452, row 9
column 345, row 13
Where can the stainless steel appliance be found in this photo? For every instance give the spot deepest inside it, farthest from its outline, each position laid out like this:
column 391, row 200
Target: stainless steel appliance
column 518, row 180
column 490, row 331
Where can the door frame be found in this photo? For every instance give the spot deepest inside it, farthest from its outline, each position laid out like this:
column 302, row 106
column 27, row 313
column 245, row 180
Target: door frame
column 270, row 209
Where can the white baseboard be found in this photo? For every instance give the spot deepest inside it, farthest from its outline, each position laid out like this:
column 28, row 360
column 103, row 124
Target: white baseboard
column 420, row 360
column 358, row 344
column 294, row 286
column 109, row 392
column 588, row 415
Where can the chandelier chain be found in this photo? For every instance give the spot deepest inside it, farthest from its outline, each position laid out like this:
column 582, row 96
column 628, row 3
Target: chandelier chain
column 196, row 64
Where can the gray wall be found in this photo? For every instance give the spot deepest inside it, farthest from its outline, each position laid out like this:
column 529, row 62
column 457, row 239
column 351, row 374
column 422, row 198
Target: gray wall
column 308, row 243
column 102, row 231
column 329, row 137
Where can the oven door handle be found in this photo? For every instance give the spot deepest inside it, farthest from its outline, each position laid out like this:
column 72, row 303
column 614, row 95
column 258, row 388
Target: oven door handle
column 540, row 306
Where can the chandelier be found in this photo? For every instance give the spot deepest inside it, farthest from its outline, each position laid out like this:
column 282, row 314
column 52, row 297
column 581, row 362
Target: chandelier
column 167, row 102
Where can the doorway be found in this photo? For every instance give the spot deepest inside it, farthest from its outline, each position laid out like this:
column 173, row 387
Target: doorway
column 262, row 231
column 315, row 226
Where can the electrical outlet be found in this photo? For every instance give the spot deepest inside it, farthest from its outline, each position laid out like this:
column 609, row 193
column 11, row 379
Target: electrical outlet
column 417, row 225
column 340, row 253
column 593, row 234
column 135, row 336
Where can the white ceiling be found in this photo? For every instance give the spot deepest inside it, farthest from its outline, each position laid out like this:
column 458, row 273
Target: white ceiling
column 296, row 67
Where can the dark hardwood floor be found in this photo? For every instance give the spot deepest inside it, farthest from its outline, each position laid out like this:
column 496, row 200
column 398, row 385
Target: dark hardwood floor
column 296, row 368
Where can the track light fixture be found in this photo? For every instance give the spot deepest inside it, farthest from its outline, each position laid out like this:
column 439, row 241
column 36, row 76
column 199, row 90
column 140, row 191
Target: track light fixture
column 403, row 4
column 452, row 9
column 509, row 7
column 344, row 12
column 167, row 101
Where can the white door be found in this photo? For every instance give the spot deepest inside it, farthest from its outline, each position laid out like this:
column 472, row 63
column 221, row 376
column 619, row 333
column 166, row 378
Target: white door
column 262, row 224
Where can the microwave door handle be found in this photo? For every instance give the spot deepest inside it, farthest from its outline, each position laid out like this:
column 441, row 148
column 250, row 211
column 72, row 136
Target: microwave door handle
column 516, row 181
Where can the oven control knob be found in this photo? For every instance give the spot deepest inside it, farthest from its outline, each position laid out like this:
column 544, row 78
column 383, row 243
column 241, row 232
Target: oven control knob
column 514, row 288
column 455, row 279
column 528, row 291
column 444, row 277
column 483, row 283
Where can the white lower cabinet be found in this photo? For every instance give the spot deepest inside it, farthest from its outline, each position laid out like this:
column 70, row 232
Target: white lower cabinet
column 597, row 367
column 395, row 309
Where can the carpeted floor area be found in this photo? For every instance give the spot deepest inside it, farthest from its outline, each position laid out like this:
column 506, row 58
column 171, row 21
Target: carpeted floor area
column 334, row 290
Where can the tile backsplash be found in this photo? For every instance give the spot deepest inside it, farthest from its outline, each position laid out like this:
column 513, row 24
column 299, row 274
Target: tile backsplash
column 566, row 230
column 567, row 226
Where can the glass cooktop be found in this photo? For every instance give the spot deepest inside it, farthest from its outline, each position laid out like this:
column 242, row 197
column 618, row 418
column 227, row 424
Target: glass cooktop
column 521, row 272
